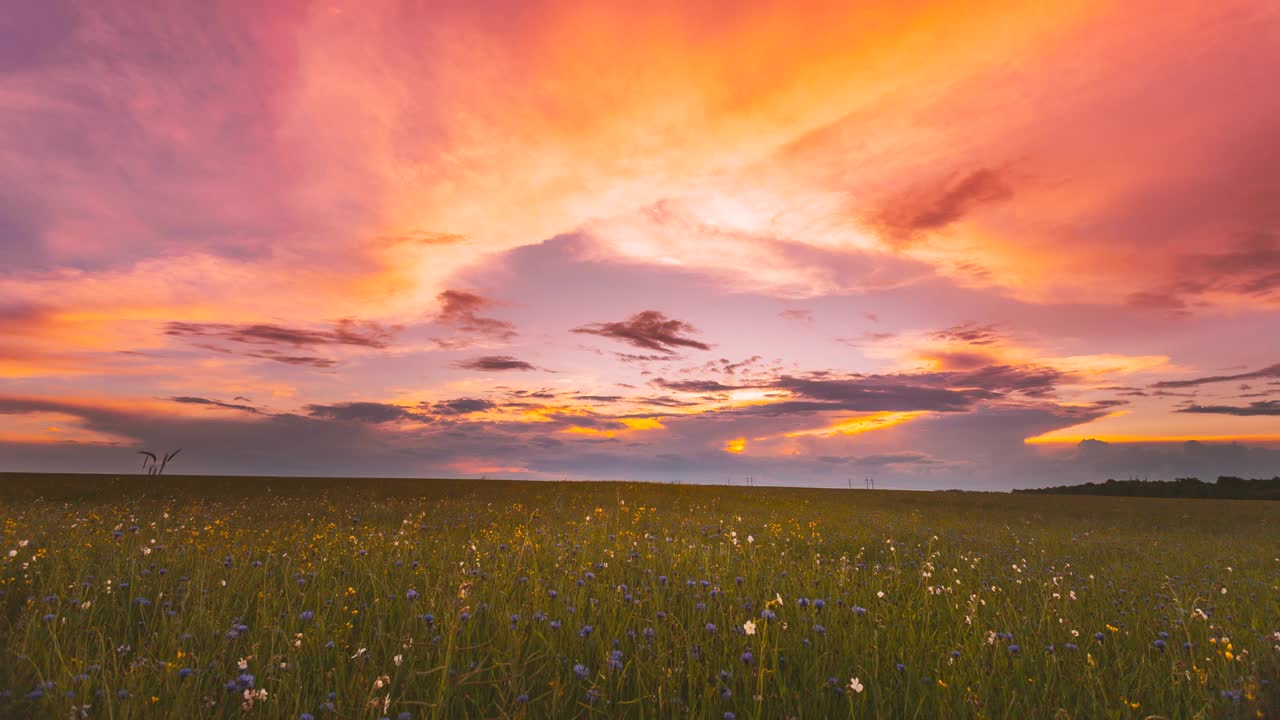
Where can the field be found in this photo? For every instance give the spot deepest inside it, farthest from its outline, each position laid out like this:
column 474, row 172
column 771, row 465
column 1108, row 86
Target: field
column 234, row 597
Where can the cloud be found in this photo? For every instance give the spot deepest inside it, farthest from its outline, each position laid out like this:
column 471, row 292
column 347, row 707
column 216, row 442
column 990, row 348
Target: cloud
column 1260, row 407
column 460, row 310
column 345, row 332
column 648, row 330
column 459, row 406
column 365, row 412
column 968, row 334
column 797, row 314
column 887, row 459
column 215, row 403
column 494, row 363
column 878, row 393
column 1271, row 371
column 699, row 386
column 935, row 206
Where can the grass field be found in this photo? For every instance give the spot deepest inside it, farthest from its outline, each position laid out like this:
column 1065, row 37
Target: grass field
column 229, row 597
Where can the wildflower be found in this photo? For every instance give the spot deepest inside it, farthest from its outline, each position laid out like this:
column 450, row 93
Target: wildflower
column 730, row 716
column 306, row 615
column 855, row 685
column 411, row 594
column 585, row 631
column 749, row 627
column 184, row 673
column 398, row 660
column 580, row 670
column 747, row 657
column 711, row 627
column 1014, row 649
column 522, row 698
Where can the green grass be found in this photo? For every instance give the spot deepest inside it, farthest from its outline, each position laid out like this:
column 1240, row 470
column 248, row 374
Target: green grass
column 135, row 586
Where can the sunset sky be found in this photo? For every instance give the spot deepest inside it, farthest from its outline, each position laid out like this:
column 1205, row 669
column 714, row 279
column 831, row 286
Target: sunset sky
column 969, row 244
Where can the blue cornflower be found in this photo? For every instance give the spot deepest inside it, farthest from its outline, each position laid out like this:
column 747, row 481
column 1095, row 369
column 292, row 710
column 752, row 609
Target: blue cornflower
column 819, row 604
column 802, row 602
column 522, row 698
column 585, row 631
column 615, row 660
column 50, row 617
column 821, row 630
column 747, row 657
column 404, row 716
column 1015, row 649
column 306, row 615
column 554, row 624
column 1070, row 646
column 580, row 670
column 1099, row 637
column 730, row 716
column 411, row 594
column 711, row 627
column 1159, row 644
column 859, row 610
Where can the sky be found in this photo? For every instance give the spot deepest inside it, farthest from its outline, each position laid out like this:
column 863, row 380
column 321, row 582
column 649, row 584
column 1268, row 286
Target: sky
column 976, row 245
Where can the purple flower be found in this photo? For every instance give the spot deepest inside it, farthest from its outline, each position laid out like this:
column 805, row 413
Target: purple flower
column 585, row 631
column 306, row 616
column 411, row 594
column 580, row 670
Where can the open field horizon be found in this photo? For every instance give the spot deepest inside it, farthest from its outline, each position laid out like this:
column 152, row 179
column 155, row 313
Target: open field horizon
column 266, row 597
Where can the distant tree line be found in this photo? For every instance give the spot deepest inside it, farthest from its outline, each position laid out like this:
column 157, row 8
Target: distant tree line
column 1226, row 488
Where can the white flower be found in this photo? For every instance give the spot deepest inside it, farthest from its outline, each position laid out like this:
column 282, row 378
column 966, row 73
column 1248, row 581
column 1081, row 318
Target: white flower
column 359, row 652
column 23, row 543
column 1224, row 591
column 397, row 660
column 880, row 594
column 146, row 550
column 750, row 539
column 13, row 553
column 749, row 627
column 855, row 685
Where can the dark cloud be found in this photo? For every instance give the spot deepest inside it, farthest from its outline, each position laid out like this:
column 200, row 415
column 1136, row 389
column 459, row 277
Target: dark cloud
column 968, row 333
column 886, row 459
column 629, row 358
column 347, row 331
column 933, row 207
column 301, row 360
column 460, row 310
column 599, row 398
column 1154, row 300
column 459, row 406
column 494, row 363
column 1271, row 371
column 880, row 393
column 650, row 330
column 366, row 412
column 700, row 386
column 1260, row 407
column 186, row 399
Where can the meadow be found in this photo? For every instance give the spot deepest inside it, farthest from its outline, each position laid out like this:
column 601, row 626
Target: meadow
column 183, row 597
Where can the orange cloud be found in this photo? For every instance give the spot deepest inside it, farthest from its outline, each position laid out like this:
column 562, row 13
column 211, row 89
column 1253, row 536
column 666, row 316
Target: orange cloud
column 858, row 425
